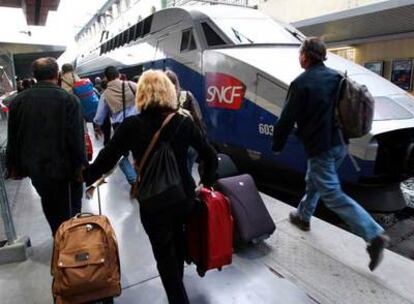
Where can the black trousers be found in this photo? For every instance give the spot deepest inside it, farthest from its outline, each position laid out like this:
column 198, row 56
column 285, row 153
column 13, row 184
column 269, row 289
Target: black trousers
column 166, row 233
column 54, row 194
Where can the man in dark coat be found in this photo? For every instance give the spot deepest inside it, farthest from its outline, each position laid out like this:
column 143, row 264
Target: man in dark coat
column 46, row 143
column 310, row 104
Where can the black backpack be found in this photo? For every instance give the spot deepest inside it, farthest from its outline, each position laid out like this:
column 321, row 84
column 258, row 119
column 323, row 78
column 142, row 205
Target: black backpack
column 159, row 183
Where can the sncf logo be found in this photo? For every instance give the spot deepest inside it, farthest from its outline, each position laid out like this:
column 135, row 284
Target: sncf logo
column 224, row 91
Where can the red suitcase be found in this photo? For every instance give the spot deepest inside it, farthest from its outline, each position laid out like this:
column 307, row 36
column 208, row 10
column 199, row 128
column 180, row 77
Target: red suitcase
column 210, row 233
column 89, row 147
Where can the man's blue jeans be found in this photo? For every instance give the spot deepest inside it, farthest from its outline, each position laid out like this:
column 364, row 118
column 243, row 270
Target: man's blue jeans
column 128, row 170
column 322, row 182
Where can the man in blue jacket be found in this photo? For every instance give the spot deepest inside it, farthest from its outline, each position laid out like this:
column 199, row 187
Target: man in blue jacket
column 310, row 104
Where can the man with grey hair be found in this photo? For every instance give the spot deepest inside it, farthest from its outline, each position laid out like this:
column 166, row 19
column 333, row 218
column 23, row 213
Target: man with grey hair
column 310, row 104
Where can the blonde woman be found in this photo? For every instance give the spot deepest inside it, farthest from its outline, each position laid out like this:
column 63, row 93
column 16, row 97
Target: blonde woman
column 155, row 99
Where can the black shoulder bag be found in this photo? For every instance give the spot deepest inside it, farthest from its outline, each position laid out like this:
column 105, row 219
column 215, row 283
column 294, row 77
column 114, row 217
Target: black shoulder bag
column 159, row 183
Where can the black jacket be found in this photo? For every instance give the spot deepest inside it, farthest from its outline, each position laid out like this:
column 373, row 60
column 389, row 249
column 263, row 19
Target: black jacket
column 135, row 133
column 310, row 104
column 45, row 133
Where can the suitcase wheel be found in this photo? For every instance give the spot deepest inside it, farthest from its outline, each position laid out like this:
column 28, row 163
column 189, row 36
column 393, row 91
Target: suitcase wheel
column 219, row 269
column 201, row 272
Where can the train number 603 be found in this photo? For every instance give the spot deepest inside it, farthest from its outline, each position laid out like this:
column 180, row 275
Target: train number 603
column 266, row 129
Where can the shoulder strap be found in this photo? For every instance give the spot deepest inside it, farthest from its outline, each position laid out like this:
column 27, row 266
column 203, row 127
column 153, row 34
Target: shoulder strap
column 63, row 80
column 130, row 87
column 152, row 144
column 123, row 97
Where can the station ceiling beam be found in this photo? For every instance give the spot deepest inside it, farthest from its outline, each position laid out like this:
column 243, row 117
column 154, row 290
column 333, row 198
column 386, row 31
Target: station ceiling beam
column 35, row 10
column 375, row 22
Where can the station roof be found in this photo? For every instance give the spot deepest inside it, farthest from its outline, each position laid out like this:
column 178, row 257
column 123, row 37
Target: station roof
column 35, row 10
column 385, row 20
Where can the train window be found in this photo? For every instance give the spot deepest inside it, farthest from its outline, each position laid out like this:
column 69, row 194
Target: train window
column 270, row 93
column 185, row 38
column 125, row 35
column 119, row 40
column 387, row 108
column 123, row 38
column 147, row 25
column 193, row 44
column 116, row 41
column 212, row 37
column 257, row 30
column 131, row 33
column 139, row 30
column 188, row 42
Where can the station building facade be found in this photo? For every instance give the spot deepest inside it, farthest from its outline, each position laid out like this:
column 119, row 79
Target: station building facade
column 375, row 33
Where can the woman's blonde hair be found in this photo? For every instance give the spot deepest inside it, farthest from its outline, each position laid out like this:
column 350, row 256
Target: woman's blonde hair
column 156, row 90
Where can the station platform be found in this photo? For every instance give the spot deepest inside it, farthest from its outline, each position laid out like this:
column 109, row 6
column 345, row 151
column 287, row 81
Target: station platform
column 325, row 265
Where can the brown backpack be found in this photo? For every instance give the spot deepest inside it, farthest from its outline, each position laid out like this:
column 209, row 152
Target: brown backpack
column 85, row 262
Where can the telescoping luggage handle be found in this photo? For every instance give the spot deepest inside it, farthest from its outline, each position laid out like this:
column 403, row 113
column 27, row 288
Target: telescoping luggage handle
column 86, row 214
column 90, row 191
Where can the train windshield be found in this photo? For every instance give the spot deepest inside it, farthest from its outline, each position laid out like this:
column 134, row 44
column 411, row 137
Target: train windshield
column 255, row 30
column 388, row 109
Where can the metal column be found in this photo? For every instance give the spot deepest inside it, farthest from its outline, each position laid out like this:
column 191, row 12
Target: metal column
column 15, row 249
column 4, row 205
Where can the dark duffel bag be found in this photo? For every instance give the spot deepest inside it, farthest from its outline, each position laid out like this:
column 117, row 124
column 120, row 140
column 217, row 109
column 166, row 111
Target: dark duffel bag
column 226, row 166
column 253, row 222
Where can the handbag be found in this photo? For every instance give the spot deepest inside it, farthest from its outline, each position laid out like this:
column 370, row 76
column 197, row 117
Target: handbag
column 159, row 183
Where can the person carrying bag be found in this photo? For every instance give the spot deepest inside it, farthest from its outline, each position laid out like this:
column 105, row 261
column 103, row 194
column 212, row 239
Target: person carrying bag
column 159, row 139
column 159, row 182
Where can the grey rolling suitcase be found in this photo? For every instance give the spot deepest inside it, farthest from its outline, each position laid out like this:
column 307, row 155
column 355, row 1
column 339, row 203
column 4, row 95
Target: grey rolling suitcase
column 253, row 222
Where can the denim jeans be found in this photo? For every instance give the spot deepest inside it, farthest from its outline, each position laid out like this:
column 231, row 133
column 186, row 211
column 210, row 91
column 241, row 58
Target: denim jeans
column 322, row 182
column 128, row 170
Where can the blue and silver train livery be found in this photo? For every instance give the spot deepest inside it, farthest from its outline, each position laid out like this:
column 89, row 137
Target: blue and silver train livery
column 239, row 63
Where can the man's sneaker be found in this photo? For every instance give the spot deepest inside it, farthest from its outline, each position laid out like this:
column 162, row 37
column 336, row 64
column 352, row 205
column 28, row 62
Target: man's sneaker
column 297, row 221
column 376, row 250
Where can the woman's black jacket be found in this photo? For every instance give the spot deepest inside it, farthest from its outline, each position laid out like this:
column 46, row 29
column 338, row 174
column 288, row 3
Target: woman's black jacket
column 135, row 134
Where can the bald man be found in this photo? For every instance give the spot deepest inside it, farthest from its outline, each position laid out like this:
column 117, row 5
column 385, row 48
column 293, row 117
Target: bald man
column 46, row 143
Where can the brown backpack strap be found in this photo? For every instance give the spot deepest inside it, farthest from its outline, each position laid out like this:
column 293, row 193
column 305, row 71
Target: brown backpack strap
column 70, row 85
column 151, row 145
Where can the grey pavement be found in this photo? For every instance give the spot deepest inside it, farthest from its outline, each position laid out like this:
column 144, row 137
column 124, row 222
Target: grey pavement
column 325, row 265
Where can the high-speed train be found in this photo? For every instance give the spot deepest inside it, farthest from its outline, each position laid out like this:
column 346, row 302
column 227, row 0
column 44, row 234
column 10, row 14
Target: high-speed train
column 239, row 63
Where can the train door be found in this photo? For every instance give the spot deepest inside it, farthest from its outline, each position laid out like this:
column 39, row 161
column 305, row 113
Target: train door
column 270, row 100
column 161, row 53
column 188, row 63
